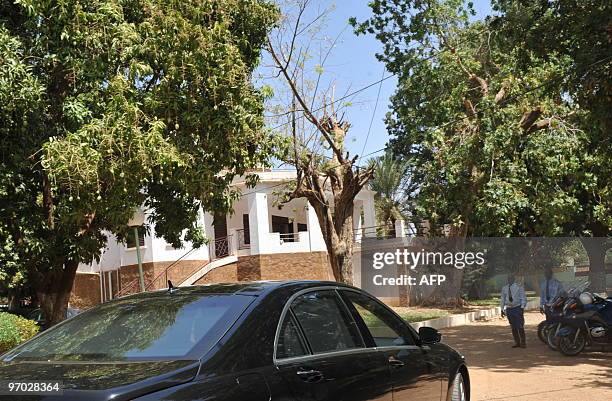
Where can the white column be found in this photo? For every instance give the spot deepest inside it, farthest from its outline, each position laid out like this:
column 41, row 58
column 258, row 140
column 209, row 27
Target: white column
column 209, row 232
column 232, row 244
column 357, row 223
column 400, row 228
column 110, row 285
column 369, row 216
column 317, row 243
column 259, row 225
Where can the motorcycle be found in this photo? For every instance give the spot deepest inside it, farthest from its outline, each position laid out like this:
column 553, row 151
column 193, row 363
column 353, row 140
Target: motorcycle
column 555, row 311
column 589, row 325
column 551, row 311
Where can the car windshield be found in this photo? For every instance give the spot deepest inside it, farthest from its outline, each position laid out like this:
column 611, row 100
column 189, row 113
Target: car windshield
column 162, row 326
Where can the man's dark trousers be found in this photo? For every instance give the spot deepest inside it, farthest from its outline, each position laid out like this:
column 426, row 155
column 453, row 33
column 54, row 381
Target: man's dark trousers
column 517, row 322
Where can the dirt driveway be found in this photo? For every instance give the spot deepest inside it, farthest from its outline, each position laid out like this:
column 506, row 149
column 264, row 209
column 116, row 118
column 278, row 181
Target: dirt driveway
column 499, row 372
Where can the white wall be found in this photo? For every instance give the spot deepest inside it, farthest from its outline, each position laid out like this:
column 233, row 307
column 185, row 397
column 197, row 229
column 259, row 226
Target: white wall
column 155, row 249
column 258, row 203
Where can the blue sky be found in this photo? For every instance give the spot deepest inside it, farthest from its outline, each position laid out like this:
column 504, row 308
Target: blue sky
column 353, row 65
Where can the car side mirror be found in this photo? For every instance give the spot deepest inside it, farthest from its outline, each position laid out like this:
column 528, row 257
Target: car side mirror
column 429, row 335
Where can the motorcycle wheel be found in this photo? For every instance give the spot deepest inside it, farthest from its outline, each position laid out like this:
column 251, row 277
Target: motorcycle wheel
column 551, row 338
column 543, row 331
column 569, row 347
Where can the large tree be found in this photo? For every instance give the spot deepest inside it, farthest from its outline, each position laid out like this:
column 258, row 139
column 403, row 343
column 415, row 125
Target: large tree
column 327, row 175
column 110, row 104
column 498, row 144
column 580, row 30
column 475, row 126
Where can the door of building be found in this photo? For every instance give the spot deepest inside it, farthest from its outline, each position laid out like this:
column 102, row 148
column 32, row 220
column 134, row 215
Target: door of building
column 221, row 240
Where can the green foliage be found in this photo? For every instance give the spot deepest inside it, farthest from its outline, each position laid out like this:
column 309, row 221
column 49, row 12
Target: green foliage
column 580, row 30
column 393, row 189
column 110, row 104
column 15, row 330
column 497, row 144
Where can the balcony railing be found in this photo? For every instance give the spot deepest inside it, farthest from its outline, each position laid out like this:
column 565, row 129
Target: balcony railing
column 289, row 237
column 221, row 247
column 244, row 240
column 404, row 229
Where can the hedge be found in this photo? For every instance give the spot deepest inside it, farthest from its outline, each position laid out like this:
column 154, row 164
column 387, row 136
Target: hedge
column 15, row 330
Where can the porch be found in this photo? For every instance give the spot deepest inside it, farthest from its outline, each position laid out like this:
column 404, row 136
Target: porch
column 261, row 226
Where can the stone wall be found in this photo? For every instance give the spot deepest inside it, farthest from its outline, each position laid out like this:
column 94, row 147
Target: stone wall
column 295, row 266
column 155, row 272
column 222, row 274
column 285, row 266
column 85, row 291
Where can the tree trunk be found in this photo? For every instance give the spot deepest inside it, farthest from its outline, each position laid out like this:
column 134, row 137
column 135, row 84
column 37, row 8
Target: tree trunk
column 344, row 222
column 341, row 251
column 596, row 250
column 54, row 294
column 449, row 292
column 337, row 229
column 405, row 291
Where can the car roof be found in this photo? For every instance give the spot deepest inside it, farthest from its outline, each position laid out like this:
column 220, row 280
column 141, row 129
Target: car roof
column 254, row 288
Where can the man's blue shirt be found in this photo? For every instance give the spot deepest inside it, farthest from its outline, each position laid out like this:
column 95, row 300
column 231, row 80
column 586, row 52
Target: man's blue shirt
column 554, row 288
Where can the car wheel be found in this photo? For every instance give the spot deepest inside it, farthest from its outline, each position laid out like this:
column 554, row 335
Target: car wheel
column 457, row 389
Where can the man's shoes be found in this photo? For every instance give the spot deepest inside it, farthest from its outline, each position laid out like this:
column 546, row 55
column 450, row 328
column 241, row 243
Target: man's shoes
column 516, row 346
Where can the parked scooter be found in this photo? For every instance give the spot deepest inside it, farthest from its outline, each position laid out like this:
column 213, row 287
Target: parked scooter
column 590, row 324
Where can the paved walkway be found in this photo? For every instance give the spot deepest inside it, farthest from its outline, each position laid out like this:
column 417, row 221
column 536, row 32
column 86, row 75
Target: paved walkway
column 499, row 372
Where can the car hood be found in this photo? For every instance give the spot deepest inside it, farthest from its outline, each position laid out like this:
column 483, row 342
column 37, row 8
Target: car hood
column 101, row 381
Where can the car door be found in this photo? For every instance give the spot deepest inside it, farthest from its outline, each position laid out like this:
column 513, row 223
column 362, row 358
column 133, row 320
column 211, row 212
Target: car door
column 321, row 355
column 414, row 373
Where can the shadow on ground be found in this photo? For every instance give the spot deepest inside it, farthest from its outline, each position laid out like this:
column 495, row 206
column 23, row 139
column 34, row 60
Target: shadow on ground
column 488, row 347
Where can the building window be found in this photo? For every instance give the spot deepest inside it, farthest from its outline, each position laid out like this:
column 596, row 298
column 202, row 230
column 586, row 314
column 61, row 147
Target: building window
column 282, row 225
column 246, row 227
column 131, row 241
column 302, row 227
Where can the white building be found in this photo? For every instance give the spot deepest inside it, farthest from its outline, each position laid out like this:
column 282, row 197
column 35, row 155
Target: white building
column 258, row 241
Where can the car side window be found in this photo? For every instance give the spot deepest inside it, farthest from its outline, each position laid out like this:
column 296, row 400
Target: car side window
column 327, row 324
column 289, row 341
column 386, row 328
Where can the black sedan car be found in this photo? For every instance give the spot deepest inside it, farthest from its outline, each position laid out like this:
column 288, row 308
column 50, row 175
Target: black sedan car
column 279, row 341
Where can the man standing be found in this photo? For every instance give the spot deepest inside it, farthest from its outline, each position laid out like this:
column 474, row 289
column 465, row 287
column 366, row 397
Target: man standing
column 513, row 303
column 549, row 289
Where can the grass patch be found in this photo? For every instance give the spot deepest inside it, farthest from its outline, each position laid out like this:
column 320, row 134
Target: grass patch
column 419, row 316
column 492, row 301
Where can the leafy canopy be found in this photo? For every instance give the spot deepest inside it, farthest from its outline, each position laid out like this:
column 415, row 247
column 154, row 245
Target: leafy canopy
column 109, row 104
column 497, row 143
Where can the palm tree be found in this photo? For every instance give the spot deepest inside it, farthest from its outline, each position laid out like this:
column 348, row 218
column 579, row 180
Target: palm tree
column 394, row 190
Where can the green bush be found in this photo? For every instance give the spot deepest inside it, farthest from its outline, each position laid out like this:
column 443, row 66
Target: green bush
column 15, row 330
